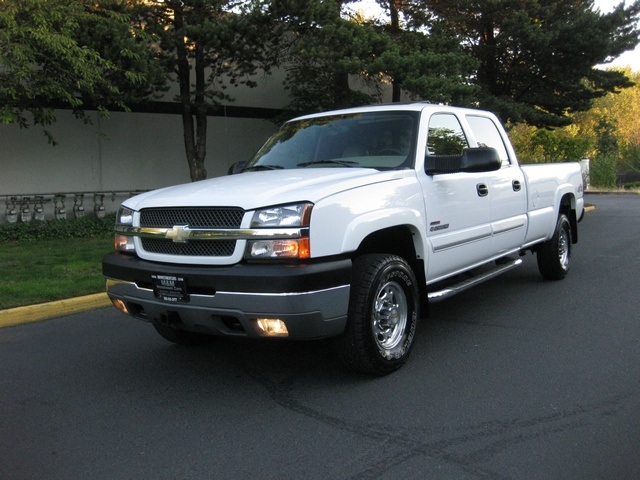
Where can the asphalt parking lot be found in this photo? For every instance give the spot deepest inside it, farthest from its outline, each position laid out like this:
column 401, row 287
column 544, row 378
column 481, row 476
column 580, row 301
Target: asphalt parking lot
column 517, row 378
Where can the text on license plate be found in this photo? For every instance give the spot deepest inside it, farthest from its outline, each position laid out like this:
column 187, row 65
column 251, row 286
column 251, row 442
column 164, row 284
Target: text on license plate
column 170, row 288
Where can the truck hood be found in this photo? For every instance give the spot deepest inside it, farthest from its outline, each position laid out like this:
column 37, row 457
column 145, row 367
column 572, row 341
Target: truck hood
column 253, row 190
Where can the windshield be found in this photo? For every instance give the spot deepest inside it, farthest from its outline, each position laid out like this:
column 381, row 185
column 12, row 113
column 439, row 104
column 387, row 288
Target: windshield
column 380, row 140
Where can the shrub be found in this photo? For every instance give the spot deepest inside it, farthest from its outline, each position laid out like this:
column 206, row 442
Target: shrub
column 84, row 227
column 602, row 171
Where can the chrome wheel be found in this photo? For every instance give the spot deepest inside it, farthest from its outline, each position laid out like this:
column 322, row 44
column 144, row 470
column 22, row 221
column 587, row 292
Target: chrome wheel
column 554, row 255
column 390, row 316
column 383, row 315
column 563, row 249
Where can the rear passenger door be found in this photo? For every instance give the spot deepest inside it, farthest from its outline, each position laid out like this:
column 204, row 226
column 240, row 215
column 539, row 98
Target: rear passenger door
column 506, row 187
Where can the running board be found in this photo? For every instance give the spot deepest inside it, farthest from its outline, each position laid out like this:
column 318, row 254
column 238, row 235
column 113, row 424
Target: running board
column 451, row 290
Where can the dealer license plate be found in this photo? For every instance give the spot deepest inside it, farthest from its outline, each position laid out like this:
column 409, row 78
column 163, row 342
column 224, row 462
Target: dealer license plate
column 170, row 288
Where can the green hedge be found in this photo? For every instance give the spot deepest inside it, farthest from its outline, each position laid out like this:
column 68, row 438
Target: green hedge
column 602, row 171
column 84, row 227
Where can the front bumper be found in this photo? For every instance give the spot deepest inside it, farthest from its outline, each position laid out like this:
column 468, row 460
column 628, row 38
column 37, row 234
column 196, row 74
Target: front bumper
column 312, row 299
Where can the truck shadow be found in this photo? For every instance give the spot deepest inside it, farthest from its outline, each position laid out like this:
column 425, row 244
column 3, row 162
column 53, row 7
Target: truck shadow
column 279, row 362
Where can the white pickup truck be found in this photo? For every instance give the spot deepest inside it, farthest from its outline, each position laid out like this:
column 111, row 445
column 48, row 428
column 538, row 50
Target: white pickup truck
column 345, row 224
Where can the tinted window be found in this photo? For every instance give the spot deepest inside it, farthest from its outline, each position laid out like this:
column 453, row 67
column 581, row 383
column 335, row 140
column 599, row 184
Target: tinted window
column 381, row 140
column 445, row 135
column 487, row 135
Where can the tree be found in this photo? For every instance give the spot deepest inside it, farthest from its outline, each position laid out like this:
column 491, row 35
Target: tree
column 130, row 47
column 207, row 46
column 536, row 58
column 321, row 49
column 328, row 48
column 394, row 8
column 426, row 59
column 561, row 144
column 608, row 134
column 46, row 60
column 613, row 123
column 430, row 66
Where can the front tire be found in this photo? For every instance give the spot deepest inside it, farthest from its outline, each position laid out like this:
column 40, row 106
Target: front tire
column 554, row 255
column 383, row 315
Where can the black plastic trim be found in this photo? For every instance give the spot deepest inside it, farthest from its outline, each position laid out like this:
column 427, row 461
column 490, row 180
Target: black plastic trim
column 242, row 277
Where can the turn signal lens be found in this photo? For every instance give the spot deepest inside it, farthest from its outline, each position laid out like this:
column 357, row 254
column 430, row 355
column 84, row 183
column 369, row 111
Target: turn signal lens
column 123, row 243
column 293, row 248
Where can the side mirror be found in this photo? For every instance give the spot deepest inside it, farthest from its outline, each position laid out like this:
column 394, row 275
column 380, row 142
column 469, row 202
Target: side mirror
column 236, row 168
column 482, row 159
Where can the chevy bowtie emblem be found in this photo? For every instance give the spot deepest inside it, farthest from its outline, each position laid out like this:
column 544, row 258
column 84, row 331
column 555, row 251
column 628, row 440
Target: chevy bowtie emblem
column 178, row 233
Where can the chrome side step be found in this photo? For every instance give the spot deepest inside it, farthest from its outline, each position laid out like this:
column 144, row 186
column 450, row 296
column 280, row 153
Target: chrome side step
column 451, row 290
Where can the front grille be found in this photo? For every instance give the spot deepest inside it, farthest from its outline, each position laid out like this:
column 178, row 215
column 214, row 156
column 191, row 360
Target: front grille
column 195, row 217
column 192, row 248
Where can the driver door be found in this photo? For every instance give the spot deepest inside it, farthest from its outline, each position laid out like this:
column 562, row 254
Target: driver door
column 457, row 204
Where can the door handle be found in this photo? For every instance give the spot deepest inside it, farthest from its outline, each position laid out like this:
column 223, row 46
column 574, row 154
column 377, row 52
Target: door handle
column 482, row 190
column 516, row 185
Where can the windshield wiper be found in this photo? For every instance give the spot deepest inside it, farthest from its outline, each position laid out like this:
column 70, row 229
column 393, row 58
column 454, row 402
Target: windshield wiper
column 256, row 168
column 344, row 163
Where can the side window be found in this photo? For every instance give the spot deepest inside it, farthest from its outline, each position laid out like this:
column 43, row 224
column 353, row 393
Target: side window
column 487, row 135
column 445, row 135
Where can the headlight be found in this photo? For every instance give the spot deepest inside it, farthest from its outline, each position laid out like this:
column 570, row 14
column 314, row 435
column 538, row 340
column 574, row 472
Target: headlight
column 296, row 215
column 124, row 243
column 125, row 216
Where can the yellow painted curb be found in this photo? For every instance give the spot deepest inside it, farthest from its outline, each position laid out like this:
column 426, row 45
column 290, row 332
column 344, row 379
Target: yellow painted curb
column 43, row 311
column 589, row 208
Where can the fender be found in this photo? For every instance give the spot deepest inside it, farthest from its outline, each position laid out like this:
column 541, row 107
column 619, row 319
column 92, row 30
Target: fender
column 364, row 225
column 340, row 222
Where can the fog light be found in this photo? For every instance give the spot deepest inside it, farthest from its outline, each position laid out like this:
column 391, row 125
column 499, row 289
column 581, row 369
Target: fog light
column 120, row 305
column 272, row 327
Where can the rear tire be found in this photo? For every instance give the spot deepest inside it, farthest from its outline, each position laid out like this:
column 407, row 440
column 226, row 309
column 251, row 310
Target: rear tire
column 554, row 255
column 182, row 337
column 383, row 315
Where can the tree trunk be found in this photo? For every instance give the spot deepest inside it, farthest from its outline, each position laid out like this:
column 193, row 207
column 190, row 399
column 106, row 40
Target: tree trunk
column 487, row 71
column 395, row 30
column 194, row 141
column 201, row 117
column 342, row 92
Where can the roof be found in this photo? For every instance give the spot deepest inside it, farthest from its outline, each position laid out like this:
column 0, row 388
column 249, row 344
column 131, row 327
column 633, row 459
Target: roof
column 415, row 106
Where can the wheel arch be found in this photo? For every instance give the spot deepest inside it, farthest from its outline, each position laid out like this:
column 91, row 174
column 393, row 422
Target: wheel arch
column 567, row 206
column 404, row 241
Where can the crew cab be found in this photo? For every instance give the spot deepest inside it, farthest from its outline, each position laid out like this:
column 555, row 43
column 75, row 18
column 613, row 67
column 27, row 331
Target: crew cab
column 345, row 224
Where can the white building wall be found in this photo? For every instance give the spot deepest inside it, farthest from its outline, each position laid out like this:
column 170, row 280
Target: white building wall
column 126, row 152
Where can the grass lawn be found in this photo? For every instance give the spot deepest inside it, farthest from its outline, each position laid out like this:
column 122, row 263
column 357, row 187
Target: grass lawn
column 45, row 270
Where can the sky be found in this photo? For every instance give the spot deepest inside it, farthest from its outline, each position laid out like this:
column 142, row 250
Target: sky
column 631, row 59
